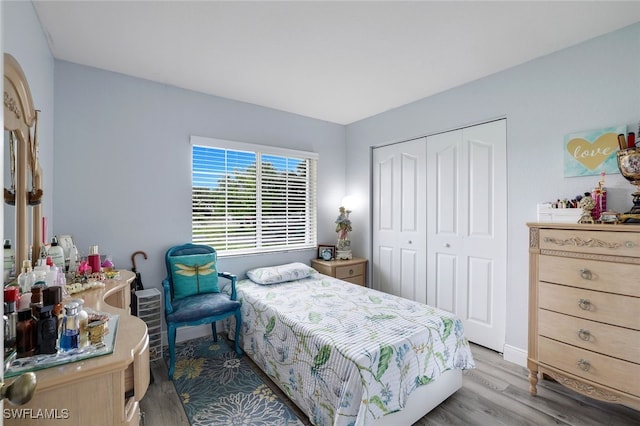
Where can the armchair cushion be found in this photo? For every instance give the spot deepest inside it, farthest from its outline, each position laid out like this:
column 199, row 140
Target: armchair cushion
column 196, row 307
column 194, row 274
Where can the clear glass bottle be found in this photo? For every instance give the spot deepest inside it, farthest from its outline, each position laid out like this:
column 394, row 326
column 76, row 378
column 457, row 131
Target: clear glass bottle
column 69, row 335
column 83, row 318
column 26, row 278
column 57, row 253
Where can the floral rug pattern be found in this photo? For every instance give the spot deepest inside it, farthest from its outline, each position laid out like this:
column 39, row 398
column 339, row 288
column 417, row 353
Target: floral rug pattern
column 217, row 388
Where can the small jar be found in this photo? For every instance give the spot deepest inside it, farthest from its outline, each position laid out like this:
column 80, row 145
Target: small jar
column 96, row 332
column 25, row 333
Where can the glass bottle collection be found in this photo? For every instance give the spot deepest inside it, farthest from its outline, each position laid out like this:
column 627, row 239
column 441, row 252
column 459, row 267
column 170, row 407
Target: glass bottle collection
column 35, row 319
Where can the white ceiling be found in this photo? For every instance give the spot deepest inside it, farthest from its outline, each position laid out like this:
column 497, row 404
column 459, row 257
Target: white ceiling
column 335, row 61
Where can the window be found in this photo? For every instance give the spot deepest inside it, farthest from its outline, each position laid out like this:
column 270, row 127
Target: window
column 252, row 198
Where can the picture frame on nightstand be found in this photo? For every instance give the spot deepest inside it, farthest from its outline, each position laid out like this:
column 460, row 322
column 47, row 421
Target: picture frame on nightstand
column 326, row 252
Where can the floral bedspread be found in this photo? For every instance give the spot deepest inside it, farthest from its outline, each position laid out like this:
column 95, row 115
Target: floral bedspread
column 347, row 354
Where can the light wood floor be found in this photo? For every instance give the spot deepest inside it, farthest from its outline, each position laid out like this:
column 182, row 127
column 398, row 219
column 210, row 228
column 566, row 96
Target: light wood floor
column 495, row 393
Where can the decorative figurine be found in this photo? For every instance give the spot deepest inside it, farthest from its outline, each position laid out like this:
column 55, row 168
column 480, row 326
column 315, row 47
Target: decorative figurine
column 587, row 203
column 343, row 227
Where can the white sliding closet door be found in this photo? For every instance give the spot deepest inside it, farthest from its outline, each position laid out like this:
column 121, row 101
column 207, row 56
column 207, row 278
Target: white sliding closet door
column 467, row 228
column 399, row 223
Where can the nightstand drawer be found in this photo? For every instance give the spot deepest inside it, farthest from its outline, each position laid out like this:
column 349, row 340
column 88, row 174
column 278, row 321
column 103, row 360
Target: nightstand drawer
column 356, row 280
column 349, row 271
column 598, row 368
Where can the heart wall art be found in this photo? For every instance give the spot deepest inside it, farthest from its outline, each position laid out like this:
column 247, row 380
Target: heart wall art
column 592, row 152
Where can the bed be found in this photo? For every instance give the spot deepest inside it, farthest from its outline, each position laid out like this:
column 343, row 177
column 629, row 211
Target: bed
column 346, row 354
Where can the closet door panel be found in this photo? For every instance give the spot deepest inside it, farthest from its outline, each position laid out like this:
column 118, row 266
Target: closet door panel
column 399, row 239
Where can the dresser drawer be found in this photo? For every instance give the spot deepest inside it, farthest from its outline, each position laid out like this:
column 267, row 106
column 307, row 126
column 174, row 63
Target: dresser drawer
column 606, row 339
column 349, row 271
column 602, row 369
column 593, row 305
column 611, row 277
column 596, row 242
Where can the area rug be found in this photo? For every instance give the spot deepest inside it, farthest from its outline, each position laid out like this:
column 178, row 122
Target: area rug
column 218, row 388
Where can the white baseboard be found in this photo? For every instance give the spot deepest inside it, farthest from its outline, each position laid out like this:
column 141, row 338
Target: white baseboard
column 515, row 355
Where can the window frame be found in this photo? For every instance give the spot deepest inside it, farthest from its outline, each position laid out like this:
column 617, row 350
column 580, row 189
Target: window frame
column 311, row 232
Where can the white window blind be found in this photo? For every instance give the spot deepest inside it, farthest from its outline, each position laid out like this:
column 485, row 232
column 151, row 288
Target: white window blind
column 252, row 198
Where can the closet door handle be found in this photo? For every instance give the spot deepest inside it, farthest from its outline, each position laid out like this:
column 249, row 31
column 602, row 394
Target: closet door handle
column 586, row 274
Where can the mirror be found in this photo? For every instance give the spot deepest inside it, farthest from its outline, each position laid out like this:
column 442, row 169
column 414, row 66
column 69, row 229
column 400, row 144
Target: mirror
column 25, row 190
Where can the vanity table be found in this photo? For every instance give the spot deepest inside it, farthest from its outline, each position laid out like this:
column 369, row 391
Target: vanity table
column 105, row 390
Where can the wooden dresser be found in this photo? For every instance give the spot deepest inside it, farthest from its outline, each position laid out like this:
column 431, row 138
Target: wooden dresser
column 352, row 270
column 584, row 309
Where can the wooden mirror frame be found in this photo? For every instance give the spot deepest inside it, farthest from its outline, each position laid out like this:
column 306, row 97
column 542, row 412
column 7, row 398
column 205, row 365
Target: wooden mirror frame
column 19, row 117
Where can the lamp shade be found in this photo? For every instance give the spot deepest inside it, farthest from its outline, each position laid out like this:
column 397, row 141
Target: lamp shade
column 349, row 202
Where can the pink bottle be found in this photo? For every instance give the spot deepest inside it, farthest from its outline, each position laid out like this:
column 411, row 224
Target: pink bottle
column 94, row 259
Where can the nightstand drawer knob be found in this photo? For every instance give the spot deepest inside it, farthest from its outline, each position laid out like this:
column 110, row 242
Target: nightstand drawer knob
column 584, row 364
column 586, row 274
column 584, row 304
column 350, row 271
column 584, row 334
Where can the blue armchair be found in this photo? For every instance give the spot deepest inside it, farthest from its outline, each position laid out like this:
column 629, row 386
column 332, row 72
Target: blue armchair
column 192, row 296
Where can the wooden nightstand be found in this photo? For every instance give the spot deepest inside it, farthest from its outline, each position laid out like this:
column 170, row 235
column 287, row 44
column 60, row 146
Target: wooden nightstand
column 353, row 270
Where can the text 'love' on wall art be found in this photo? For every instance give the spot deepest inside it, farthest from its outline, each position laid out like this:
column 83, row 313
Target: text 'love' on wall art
column 592, row 152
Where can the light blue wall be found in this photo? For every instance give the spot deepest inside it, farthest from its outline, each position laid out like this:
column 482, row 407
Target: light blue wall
column 23, row 38
column 123, row 162
column 589, row 86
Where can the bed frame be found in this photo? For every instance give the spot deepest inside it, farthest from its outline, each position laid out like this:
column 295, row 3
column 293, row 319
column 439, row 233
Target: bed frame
column 424, row 399
column 420, row 402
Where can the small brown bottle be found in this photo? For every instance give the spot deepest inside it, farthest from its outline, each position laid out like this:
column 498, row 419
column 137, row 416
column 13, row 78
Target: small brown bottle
column 25, row 333
column 36, row 297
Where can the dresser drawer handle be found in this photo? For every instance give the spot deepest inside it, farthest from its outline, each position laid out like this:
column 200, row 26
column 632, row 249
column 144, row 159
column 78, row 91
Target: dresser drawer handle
column 586, row 274
column 584, row 335
column 350, row 271
column 584, row 304
column 584, row 364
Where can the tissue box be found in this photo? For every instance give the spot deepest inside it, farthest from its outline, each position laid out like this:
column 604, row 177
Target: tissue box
column 548, row 214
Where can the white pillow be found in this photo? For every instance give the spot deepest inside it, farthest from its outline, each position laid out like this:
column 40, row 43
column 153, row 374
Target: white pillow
column 279, row 274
